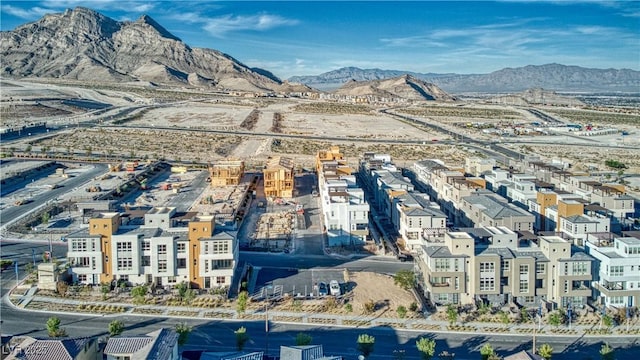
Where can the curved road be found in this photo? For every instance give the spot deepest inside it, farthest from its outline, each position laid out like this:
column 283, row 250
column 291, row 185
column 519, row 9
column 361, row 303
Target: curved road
column 218, row 335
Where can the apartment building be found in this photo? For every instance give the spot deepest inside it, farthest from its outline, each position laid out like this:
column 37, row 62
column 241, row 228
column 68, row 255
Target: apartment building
column 477, row 166
column 226, row 172
column 279, row 176
column 419, row 221
column 156, row 253
column 345, row 211
column 487, row 209
column 444, row 269
column 617, row 270
column 490, row 264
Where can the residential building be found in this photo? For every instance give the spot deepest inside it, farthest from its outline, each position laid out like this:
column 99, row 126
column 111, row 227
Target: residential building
column 226, row 172
column 156, row 253
column 279, row 177
column 617, row 280
column 419, row 222
column 161, row 344
column 486, row 209
column 568, row 275
column 82, row 348
column 477, row 166
column 443, row 269
column 345, row 211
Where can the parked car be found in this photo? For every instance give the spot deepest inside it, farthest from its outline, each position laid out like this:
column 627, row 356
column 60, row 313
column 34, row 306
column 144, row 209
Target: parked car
column 334, row 288
column 322, row 289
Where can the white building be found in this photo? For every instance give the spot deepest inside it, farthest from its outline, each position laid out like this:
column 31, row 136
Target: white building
column 618, row 272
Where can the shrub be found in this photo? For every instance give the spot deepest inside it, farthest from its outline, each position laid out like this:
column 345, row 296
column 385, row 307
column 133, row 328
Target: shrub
column 402, row 311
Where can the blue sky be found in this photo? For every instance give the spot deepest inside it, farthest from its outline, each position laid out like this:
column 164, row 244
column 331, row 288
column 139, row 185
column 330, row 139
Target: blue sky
column 309, row 37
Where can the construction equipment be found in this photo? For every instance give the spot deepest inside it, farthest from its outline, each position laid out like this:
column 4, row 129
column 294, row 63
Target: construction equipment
column 93, row 188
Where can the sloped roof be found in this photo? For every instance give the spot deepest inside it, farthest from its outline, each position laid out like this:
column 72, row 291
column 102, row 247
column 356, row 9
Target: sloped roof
column 494, row 208
column 156, row 345
column 46, row 349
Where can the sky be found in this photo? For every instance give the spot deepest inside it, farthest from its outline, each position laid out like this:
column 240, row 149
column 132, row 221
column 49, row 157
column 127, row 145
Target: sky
column 311, row 37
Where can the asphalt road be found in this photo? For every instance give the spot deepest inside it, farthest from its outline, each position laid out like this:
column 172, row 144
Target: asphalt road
column 14, row 213
column 218, row 336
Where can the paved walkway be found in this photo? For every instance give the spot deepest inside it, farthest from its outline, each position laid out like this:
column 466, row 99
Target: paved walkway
column 322, row 319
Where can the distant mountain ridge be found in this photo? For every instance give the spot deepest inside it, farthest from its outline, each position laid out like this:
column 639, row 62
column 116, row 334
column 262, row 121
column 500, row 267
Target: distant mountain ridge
column 85, row 45
column 556, row 77
column 405, row 87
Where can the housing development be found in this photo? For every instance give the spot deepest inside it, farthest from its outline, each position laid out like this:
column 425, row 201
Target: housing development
column 164, row 201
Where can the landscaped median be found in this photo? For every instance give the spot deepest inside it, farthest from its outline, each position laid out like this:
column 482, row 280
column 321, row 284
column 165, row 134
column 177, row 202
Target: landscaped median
column 311, row 313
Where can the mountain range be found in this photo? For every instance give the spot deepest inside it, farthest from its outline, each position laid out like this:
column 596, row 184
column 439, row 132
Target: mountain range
column 82, row 44
column 85, row 45
column 550, row 76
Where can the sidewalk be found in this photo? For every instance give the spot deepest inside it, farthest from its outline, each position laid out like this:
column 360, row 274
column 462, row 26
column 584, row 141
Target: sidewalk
column 322, row 319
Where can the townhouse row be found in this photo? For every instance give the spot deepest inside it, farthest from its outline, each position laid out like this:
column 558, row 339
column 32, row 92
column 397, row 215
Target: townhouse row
column 166, row 249
column 494, row 254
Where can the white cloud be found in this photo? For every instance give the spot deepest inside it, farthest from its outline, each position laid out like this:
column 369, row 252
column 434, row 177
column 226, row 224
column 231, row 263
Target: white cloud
column 27, row 14
column 221, row 25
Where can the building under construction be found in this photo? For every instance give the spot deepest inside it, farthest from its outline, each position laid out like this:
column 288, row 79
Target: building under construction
column 278, row 178
column 226, row 172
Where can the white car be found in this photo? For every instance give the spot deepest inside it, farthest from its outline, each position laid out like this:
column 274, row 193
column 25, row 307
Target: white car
column 334, row 288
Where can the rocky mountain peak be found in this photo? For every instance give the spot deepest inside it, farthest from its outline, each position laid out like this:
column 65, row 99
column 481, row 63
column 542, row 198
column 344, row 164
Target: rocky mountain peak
column 147, row 20
column 83, row 44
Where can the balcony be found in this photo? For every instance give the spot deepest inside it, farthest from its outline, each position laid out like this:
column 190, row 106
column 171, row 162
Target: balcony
column 440, row 284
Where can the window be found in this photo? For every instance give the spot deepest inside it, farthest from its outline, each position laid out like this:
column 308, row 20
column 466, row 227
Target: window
column 171, row 280
column 616, row 300
column 579, row 268
column 442, row 264
column 540, row 268
column 487, row 284
column 145, row 260
column 221, row 264
column 524, row 269
column 524, row 286
column 181, row 247
column 221, row 280
column 146, row 245
column 162, row 265
column 82, row 277
column 616, row 270
column 487, row 267
column 125, row 263
column 220, row 247
column 505, row 265
column 162, row 249
column 181, row 263
column 123, row 245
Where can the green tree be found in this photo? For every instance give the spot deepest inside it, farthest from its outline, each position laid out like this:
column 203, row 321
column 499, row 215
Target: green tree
column 606, row 352
column 182, row 289
column 494, row 356
column 116, row 327
column 365, row 344
column 485, row 351
column 183, row 331
column 452, row 314
column 241, row 337
column 426, row 347
column 524, row 315
column 402, row 311
column 303, row 339
column 607, row 320
column 105, row 288
column 504, row 317
column 45, row 218
column 241, row 305
column 555, row 318
column 54, row 329
column 406, row 279
column 139, row 293
column 545, row 351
